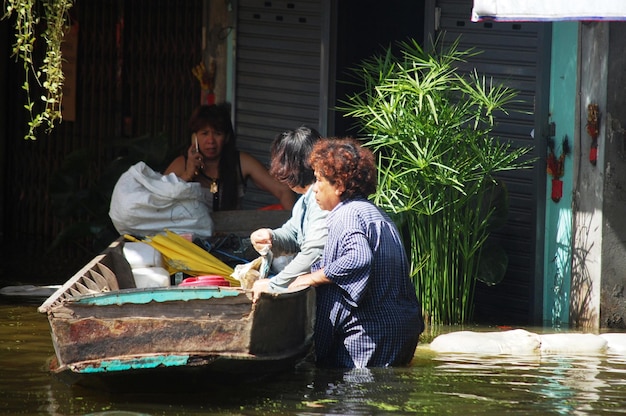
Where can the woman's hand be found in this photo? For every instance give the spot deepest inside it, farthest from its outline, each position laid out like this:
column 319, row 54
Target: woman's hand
column 260, row 239
column 259, row 287
column 315, row 278
column 194, row 164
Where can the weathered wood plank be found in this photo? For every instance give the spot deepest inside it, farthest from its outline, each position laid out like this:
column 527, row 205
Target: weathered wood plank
column 91, row 338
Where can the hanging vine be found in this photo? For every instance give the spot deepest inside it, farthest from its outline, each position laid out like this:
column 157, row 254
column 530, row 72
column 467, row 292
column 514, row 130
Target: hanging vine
column 52, row 17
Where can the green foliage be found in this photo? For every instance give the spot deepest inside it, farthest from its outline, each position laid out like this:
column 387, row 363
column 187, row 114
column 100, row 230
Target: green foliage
column 83, row 204
column 30, row 15
column 430, row 127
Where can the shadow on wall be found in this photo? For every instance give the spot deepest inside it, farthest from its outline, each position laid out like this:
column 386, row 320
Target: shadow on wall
column 582, row 312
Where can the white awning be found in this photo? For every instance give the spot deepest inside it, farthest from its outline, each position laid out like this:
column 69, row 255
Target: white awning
column 548, row 10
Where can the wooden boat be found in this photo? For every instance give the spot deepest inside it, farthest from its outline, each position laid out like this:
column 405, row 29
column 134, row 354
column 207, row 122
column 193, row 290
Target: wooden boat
column 108, row 334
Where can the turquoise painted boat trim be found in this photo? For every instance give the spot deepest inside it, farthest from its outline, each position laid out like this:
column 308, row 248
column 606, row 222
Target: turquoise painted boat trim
column 108, row 366
column 144, row 296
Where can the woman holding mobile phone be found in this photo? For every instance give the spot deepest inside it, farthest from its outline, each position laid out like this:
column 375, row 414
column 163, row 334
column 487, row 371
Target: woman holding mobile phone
column 213, row 160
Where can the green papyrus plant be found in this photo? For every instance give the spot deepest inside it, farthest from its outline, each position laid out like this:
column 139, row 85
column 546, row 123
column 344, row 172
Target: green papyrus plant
column 430, row 127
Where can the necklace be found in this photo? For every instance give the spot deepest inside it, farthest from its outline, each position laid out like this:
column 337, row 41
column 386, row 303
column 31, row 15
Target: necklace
column 214, row 183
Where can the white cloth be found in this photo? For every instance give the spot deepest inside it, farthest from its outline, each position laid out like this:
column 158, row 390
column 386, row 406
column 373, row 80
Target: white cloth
column 551, row 10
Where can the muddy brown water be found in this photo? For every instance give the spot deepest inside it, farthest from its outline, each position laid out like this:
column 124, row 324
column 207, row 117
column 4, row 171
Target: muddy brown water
column 435, row 384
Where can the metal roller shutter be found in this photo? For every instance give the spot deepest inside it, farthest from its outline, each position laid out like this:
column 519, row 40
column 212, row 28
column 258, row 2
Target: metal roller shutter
column 278, row 75
column 512, row 55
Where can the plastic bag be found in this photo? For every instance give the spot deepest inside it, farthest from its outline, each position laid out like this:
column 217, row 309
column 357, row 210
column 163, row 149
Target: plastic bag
column 145, row 202
column 258, row 268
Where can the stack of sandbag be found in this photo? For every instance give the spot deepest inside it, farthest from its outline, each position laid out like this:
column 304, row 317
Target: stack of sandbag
column 572, row 343
column 616, row 342
column 516, row 341
column 520, row 341
column 146, row 264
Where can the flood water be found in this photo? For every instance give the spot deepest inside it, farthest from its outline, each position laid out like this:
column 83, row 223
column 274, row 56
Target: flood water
column 434, row 384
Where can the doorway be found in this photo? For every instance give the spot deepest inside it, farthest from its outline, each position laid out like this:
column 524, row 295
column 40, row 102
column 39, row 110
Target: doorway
column 364, row 28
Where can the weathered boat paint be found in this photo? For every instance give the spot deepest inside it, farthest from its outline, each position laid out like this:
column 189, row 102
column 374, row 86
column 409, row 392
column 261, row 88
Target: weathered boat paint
column 140, row 296
column 107, row 366
column 107, row 333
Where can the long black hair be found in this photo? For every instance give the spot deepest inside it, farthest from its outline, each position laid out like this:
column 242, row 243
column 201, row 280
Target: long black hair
column 217, row 117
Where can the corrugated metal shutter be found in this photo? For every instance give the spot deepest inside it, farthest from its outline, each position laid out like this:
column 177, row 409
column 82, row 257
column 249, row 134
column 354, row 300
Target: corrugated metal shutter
column 278, row 75
column 512, row 56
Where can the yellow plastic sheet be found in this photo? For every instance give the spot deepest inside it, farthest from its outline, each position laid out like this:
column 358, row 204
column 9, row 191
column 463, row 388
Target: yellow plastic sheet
column 181, row 255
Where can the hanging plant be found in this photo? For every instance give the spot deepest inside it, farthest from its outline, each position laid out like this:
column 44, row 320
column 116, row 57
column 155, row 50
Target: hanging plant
column 45, row 20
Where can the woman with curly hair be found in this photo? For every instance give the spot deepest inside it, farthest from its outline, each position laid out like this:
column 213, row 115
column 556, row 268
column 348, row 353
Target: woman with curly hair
column 368, row 314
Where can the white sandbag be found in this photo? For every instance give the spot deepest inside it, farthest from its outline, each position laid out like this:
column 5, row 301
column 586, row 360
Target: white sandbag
column 572, row 343
column 151, row 277
column 140, row 254
column 616, row 342
column 145, row 202
column 515, row 341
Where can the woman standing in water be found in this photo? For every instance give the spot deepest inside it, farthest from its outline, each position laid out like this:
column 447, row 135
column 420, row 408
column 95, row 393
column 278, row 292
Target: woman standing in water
column 368, row 314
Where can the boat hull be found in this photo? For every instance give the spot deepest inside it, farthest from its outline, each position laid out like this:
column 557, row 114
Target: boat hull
column 176, row 373
column 105, row 336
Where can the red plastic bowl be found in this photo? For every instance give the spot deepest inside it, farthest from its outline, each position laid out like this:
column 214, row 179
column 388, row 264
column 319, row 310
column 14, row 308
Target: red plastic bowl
column 205, row 281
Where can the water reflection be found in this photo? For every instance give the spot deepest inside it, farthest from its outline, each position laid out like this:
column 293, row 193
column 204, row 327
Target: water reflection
column 434, row 384
column 559, row 384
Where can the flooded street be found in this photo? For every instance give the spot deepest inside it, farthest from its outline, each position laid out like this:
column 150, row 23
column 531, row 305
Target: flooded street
column 435, row 384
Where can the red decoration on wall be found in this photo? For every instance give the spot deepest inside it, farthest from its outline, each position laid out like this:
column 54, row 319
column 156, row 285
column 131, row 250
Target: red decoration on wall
column 556, row 168
column 593, row 129
column 557, row 190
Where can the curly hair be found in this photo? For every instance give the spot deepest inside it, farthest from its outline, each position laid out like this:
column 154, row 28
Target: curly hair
column 290, row 156
column 344, row 162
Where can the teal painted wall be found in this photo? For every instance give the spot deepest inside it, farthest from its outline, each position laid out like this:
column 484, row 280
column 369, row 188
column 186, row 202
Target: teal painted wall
column 558, row 237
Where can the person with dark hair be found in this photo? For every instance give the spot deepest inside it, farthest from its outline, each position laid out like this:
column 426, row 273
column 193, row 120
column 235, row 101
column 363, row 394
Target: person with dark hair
column 212, row 159
column 368, row 314
column 304, row 234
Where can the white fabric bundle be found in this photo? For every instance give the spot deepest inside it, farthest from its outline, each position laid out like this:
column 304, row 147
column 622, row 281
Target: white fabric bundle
column 145, row 202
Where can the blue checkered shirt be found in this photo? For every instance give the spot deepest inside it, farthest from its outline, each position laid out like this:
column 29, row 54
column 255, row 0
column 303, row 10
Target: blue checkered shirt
column 370, row 315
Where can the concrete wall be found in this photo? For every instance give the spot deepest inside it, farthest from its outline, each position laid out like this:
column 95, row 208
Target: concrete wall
column 613, row 265
column 588, row 231
column 587, row 261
